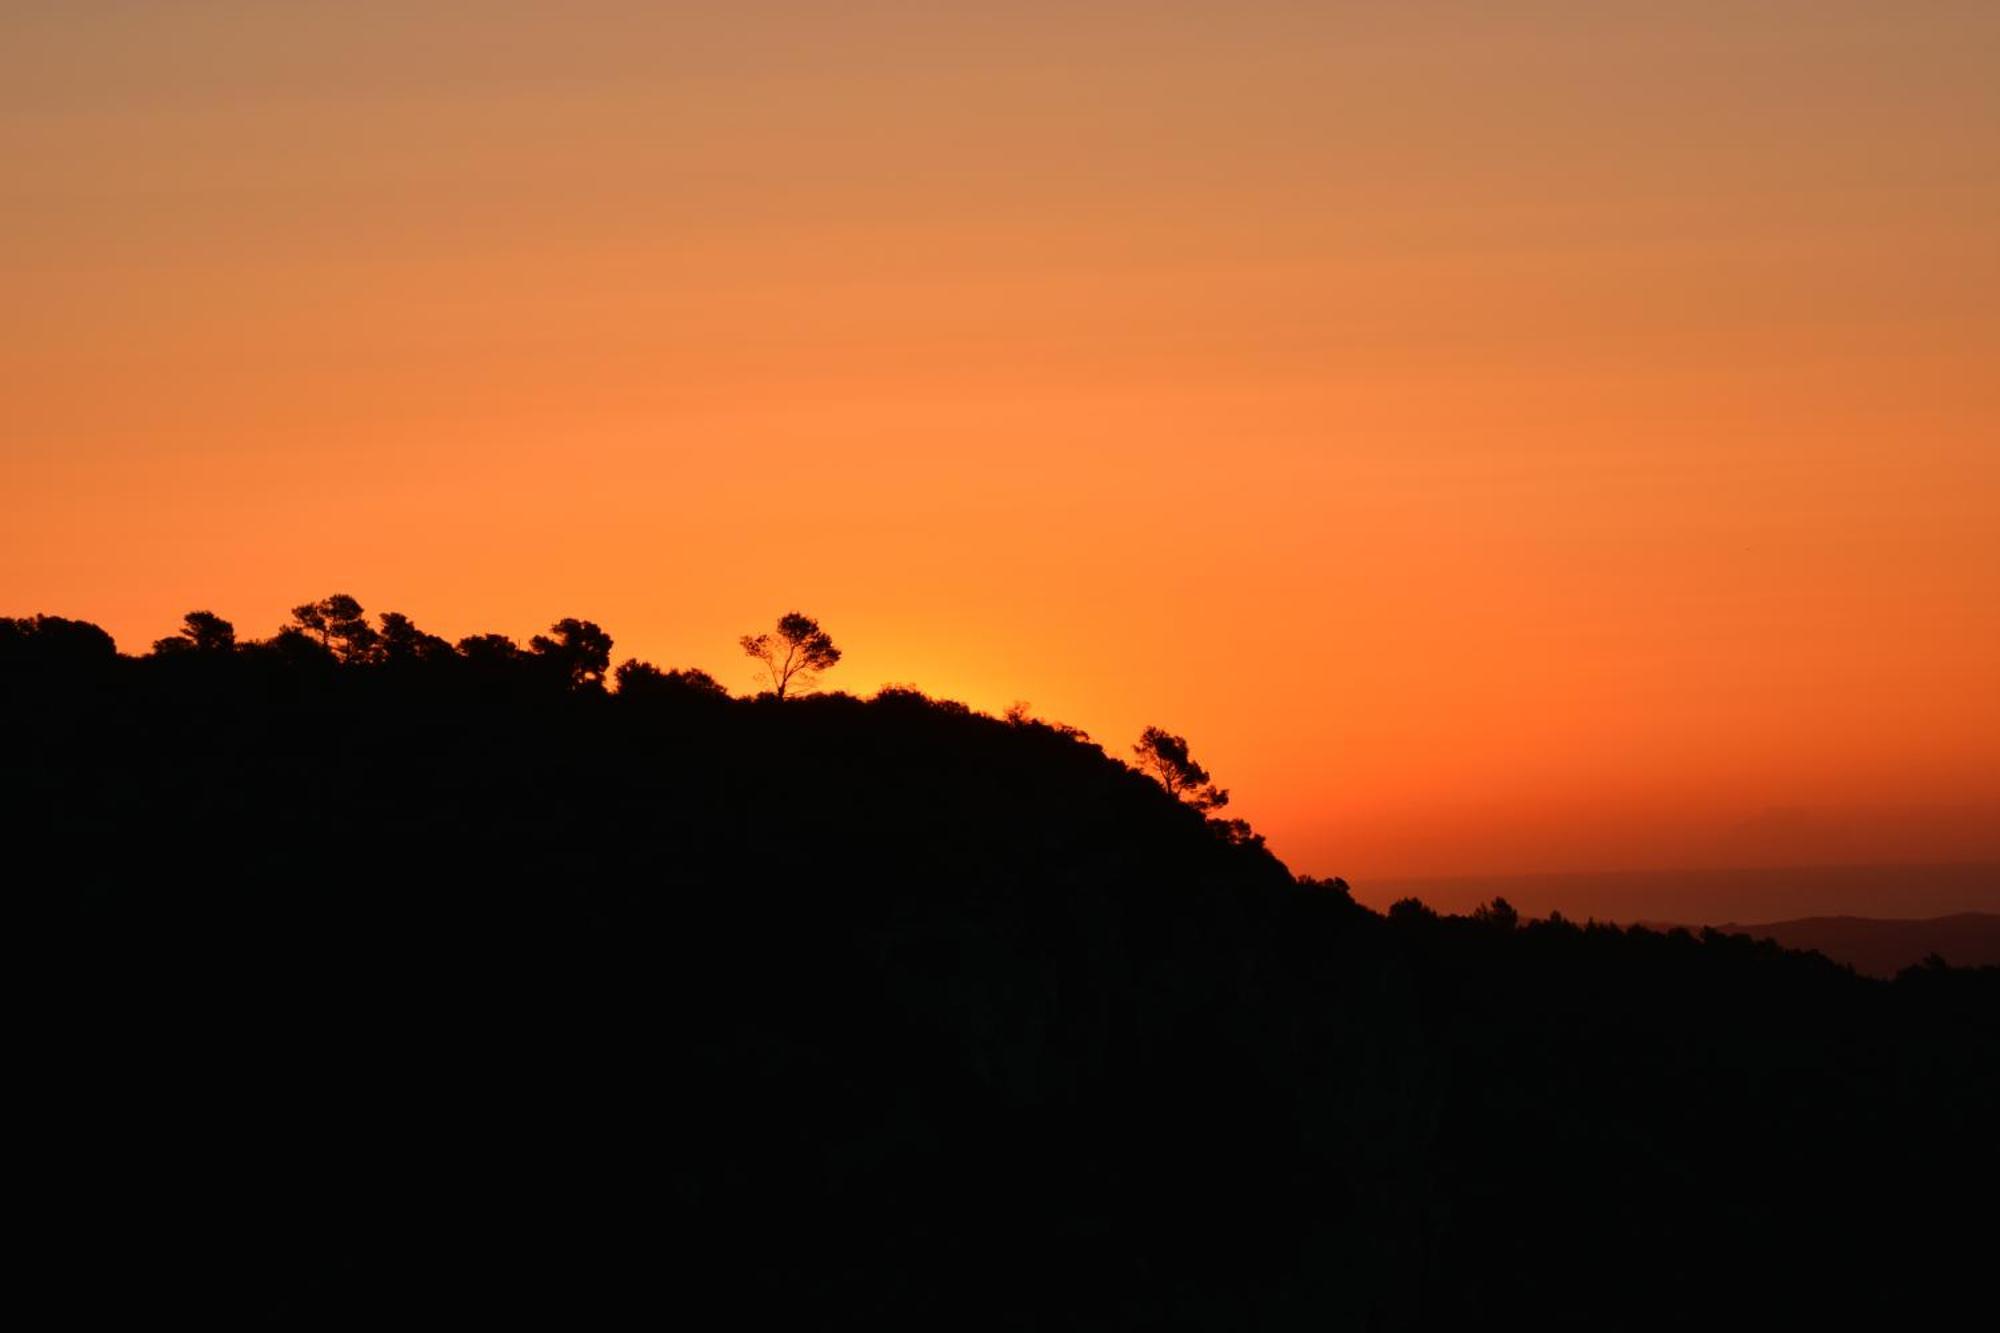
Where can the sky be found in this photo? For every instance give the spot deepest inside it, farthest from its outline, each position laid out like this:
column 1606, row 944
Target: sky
column 1504, row 439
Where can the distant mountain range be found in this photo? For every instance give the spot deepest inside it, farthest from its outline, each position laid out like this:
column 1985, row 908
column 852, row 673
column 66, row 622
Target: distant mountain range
column 1885, row 947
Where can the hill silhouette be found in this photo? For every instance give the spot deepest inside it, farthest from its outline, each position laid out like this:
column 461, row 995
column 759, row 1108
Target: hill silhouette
column 384, row 973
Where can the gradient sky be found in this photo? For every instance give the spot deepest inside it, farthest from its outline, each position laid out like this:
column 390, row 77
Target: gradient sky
column 1503, row 437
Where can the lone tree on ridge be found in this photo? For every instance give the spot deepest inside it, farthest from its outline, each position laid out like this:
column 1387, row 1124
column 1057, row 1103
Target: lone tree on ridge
column 795, row 655
column 1165, row 756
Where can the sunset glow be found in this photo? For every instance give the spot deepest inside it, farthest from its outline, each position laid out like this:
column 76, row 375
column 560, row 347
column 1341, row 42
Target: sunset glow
column 1549, row 437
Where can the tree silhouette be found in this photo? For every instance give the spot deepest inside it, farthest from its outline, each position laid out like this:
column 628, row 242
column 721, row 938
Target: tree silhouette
column 489, row 651
column 795, row 655
column 402, row 641
column 580, row 652
column 1165, row 756
column 339, row 625
column 201, row 632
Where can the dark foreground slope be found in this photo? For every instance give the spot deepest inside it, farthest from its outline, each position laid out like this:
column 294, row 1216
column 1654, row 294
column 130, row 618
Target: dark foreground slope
column 455, row 991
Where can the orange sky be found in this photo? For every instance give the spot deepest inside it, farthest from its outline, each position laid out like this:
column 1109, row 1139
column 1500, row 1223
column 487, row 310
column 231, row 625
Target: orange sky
column 1522, row 437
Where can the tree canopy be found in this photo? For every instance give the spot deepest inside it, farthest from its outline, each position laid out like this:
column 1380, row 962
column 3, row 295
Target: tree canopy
column 1165, row 756
column 577, row 650
column 201, row 631
column 794, row 656
column 340, row 625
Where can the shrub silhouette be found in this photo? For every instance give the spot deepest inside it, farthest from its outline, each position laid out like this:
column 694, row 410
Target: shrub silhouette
column 53, row 644
column 643, row 680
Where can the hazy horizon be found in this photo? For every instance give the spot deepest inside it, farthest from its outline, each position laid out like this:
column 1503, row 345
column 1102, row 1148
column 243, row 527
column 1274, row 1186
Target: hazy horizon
column 1713, row 895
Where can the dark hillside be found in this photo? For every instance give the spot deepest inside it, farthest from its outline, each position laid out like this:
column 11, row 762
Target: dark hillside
column 445, row 980
column 1883, row 948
